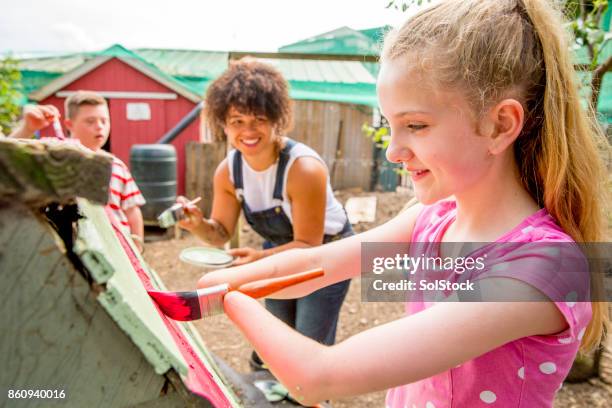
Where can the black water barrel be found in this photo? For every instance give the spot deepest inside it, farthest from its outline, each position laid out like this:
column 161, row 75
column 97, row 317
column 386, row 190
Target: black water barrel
column 154, row 169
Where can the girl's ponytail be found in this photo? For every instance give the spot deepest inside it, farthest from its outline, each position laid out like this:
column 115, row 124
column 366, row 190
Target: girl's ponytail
column 569, row 174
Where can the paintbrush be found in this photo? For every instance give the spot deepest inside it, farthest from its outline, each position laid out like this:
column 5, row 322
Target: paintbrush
column 174, row 214
column 57, row 128
column 193, row 305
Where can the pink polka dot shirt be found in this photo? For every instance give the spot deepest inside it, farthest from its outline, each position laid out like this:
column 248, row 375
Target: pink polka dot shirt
column 526, row 372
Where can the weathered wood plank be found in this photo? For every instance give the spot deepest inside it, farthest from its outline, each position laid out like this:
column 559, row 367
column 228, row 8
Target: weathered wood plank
column 127, row 302
column 55, row 333
column 40, row 172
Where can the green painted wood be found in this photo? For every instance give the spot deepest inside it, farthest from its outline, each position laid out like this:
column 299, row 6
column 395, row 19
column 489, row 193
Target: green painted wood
column 127, row 302
column 55, row 333
column 93, row 333
column 38, row 172
column 124, row 298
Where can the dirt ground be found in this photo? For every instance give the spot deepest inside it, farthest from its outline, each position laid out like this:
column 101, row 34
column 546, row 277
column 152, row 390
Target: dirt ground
column 226, row 341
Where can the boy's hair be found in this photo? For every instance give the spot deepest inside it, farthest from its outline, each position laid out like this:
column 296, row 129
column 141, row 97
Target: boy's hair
column 252, row 87
column 494, row 49
column 81, row 98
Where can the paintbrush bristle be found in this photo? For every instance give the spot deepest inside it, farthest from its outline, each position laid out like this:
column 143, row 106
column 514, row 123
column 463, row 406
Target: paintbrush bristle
column 183, row 306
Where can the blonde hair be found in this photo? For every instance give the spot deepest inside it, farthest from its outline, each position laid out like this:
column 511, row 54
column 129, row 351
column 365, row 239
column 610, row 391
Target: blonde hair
column 490, row 49
column 81, row 98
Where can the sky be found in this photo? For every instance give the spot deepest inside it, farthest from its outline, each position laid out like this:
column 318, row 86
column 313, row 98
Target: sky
column 224, row 25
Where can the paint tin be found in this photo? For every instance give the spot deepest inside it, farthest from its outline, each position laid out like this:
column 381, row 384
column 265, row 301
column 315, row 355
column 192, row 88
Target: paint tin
column 206, row 257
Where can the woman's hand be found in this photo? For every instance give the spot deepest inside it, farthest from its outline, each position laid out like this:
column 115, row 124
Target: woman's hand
column 193, row 216
column 245, row 255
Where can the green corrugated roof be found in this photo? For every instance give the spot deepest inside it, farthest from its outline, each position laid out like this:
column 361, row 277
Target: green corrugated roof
column 336, row 72
column 119, row 51
column 344, row 41
column 38, row 72
column 357, row 93
column 340, row 81
column 376, row 34
column 341, row 41
column 57, row 64
column 33, row 80
column 189, row 63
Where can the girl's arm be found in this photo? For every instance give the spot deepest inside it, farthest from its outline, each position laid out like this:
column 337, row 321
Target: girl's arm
column 218, row 228
column 399, row 352
column 339, row 259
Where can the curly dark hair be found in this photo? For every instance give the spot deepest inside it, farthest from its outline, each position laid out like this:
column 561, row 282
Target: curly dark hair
column 251, row 87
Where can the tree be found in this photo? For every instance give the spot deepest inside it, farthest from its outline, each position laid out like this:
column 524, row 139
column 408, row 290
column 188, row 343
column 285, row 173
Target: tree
column 10, row 94
column 405, row 4
column 586, row 26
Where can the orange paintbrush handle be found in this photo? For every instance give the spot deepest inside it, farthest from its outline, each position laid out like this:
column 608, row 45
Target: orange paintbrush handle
column 266, row 287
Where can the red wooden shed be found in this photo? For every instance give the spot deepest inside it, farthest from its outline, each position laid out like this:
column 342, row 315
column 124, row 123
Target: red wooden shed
column 144, row 102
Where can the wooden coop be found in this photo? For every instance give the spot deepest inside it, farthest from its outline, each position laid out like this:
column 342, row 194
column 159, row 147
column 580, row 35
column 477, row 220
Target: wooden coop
column 76, row 316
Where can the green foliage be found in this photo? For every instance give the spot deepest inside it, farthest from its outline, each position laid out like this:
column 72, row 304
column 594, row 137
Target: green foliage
column 585, row 23
column 405, row 4
column 586, row 26
column 10, row 94
column 379, row 135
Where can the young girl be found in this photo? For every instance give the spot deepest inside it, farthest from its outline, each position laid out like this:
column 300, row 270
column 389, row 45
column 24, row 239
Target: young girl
column 485, row 114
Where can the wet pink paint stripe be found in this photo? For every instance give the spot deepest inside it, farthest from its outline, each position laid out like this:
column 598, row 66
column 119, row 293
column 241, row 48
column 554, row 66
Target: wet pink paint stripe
column 199, row 380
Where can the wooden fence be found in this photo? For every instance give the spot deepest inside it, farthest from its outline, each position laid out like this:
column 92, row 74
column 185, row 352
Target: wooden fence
column 201, row 160
column 334, row 131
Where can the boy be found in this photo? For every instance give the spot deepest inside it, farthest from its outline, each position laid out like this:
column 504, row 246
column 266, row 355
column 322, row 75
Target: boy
column 88, row 121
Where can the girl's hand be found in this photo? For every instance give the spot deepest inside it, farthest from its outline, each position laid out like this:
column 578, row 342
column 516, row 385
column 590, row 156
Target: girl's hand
column 193, row 216
column 245, row 255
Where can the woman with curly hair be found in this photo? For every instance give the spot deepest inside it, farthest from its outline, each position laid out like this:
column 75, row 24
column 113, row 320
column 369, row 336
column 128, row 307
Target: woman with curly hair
column 282, row 187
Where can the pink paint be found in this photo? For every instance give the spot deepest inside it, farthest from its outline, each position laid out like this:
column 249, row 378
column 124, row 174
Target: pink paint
column 182, row 306
column 199, row 380
column 57, row 128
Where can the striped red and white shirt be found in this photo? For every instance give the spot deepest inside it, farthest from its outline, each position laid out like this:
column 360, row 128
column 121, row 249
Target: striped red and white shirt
column 123, row 193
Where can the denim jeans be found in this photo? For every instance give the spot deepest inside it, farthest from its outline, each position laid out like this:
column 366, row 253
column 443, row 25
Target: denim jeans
column 315, row 315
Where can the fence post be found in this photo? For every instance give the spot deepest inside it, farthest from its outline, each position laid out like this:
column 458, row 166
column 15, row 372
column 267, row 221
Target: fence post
column 202, row 160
